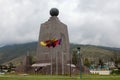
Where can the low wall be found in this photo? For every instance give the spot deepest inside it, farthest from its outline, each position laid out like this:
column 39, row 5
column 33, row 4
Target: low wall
column 100, row 72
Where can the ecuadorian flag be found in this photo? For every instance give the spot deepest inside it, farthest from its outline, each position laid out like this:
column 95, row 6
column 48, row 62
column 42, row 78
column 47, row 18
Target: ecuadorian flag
column 51, row 43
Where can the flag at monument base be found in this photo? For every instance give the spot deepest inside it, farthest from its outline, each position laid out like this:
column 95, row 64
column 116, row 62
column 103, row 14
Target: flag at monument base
column 43, row 43
column 51, row 43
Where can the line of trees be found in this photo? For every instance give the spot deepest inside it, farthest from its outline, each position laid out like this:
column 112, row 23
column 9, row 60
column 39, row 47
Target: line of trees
column 115, row 59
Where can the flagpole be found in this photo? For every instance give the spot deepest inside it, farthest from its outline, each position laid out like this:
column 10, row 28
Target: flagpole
column 62, row 57
column 62, row 63
column 51, row 61
column 56, row 62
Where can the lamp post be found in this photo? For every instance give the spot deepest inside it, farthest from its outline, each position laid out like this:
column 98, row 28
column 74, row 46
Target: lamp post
column 79, row 57
column 70, row 64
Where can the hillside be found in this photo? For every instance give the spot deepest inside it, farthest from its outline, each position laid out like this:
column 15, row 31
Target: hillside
column 16, row 53
column 10, row 52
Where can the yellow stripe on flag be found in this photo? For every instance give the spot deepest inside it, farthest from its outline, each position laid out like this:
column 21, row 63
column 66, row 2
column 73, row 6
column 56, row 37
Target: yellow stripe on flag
column 42, row 43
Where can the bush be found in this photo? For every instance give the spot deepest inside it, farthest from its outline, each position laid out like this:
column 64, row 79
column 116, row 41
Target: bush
column 116, row 71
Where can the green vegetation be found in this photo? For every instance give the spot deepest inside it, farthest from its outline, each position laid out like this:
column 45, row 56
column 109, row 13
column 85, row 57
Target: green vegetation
column 33, row 77
column 16, row 53
column 86, row 62
column 74, row 58
column 116, row 71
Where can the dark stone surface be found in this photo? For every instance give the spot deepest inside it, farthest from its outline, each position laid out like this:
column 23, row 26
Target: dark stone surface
column 54, row 12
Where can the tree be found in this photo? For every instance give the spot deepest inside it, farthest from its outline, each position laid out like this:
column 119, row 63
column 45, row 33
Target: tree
column 101, row 63
column 0, row 67
column 116, row 58
column 74, row 57
column 10, row 65
column 30, row 60
column 86, row 62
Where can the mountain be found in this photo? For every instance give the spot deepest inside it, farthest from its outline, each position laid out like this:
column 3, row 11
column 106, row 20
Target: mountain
column 15, row 53
column 10, row 52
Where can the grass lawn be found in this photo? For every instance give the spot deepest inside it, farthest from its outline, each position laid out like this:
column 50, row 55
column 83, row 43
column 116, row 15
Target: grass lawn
column 40, row 77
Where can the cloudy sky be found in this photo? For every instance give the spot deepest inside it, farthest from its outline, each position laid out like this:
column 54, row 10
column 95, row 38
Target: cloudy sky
column 95, row 22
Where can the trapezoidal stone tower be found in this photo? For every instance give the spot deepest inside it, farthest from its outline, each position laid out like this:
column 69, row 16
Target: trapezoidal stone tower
column 55, row 49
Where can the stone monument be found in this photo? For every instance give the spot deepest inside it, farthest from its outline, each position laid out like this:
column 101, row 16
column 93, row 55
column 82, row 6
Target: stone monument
column 49, row 51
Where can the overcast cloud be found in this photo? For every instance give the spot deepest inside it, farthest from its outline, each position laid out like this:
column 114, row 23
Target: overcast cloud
column 95, row 22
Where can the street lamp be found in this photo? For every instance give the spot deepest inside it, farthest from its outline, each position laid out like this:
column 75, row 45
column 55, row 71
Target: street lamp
column 80, row 64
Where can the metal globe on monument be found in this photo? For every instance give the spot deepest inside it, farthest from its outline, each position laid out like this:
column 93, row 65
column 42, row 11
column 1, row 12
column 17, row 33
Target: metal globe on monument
column 54, row 12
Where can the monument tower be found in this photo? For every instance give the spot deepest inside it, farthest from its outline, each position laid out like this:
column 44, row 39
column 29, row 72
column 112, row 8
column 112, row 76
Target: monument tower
column 53, row 44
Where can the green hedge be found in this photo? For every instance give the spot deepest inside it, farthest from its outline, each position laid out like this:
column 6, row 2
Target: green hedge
column 116, row 71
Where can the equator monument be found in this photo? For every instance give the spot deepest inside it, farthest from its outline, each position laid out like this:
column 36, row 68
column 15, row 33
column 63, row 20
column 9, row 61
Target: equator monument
column 53, row 55
column 53, row 46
